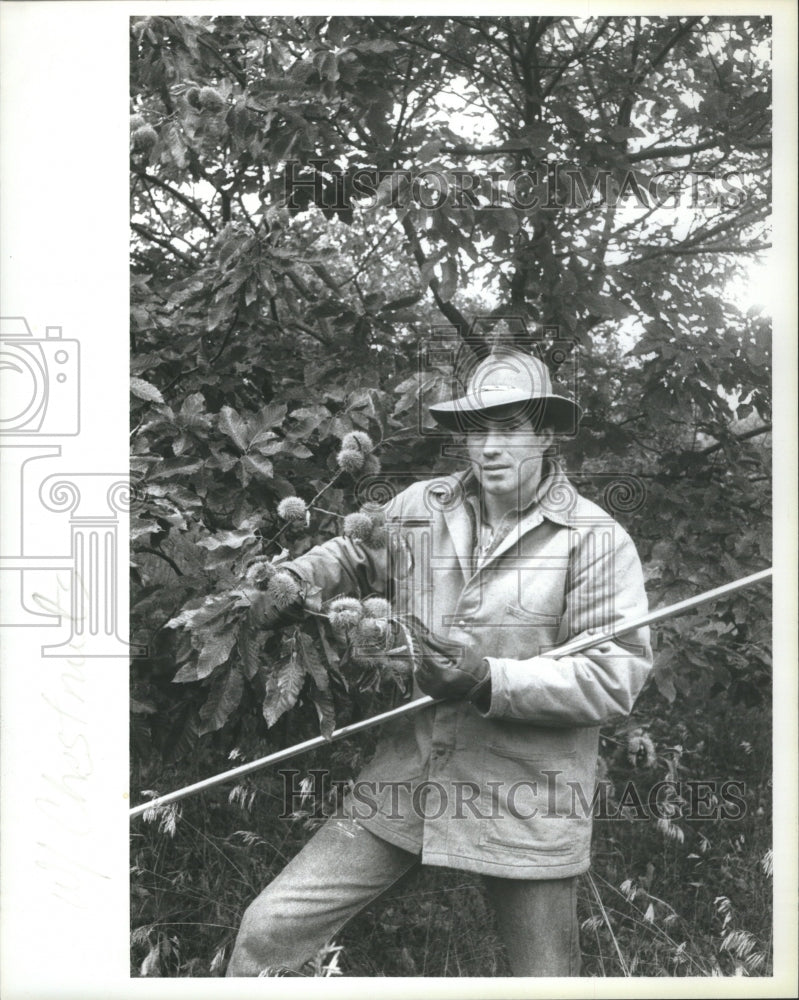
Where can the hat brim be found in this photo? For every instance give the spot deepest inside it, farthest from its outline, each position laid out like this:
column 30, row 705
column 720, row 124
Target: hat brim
column 468, row 413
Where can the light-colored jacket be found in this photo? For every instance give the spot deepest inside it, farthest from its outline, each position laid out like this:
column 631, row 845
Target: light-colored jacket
column 507, row 792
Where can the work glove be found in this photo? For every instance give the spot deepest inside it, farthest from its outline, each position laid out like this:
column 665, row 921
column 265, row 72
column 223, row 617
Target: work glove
column 451, row 669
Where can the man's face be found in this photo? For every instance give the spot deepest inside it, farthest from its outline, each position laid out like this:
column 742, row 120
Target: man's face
column 506, row 456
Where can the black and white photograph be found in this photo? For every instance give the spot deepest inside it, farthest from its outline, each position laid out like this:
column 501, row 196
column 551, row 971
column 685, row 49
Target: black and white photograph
column 439, row 570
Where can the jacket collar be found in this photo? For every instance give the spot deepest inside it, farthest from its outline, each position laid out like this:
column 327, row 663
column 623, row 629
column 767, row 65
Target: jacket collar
column 555, row 500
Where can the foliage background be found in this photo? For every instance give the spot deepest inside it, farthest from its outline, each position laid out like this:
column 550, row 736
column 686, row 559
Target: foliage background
column 263, row 330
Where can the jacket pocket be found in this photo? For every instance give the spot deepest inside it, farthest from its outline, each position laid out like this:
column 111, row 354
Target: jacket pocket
column 533, row 617
column 523, row 633
column 527, row 803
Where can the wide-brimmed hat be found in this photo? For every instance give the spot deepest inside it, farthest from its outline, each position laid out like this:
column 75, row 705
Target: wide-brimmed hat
column 509, row 384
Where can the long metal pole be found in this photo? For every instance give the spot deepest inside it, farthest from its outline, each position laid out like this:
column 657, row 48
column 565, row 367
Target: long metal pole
column 576, row 646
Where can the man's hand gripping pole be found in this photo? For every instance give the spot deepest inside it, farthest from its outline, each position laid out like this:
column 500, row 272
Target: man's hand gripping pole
column 575, row 646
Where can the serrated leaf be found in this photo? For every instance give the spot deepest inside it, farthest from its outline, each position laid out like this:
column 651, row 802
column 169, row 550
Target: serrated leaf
column 320, row 690
column 193, row 407
column 222, row 460
column 146, row 391
column 263, row 436
column 215, row 651
column 213, row 608
column 141, row 527
column 328, row 66
column 307, row 419
column 176, row 467
column 259, row 465
column 325, row 710
column 187, row 673
column 180, row 444
column 312, row 660
column 235, row 427
column 665, row 684
column 362, row 399
column 249, row 650
column 283, row 687
column 296, row 450
column 223, row 699
column 227, row 539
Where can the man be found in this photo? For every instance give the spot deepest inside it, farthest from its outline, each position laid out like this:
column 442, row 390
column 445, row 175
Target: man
column 501, row 564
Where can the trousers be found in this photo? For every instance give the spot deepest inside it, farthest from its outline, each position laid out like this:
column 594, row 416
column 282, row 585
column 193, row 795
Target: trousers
column 343, row 868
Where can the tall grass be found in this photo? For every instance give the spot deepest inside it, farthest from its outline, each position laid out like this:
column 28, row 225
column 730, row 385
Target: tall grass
column 673, row 897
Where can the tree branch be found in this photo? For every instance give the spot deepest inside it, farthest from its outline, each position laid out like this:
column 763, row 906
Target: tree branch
column 658, row 152
column 293, row 321
column 734, row 438
column 179, row 196
column 161, row 555
column 162, row 242
column 454, row 315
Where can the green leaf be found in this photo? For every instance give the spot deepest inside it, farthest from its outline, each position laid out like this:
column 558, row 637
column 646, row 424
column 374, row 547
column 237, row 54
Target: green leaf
column 146, row 391
column 223, row 699
column 176, row 467
column 249, row 650
column 267, row 443
column 269, row 416
column 664, row 679
column 228, row 539
column 296, row 450
column 259, row 465
column 188, row 672
column 213, row 609
column 216, row 650
column 320, row 692
column 283, row 686
column 192, row 415
column 312, row 660
column 305, row 420
column 231, row 424
column 328, row 66
column 325, row 710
